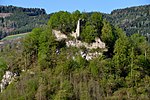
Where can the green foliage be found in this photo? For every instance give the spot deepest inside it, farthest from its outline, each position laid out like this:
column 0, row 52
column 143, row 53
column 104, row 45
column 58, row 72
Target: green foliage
column 67, row 22
column 56, row 72
column 132, row 20
column 84, row 16
column 92, row 27
column 94, row 68
column 88, row 34
column 129, row 57
column 96, row 21
column 23, row 89
column 12, row 9
column 40, row 46
column 3, row 67
column 81, row 62
column 31, row 45
column 65, row 91
column 47, row 49
column 124, row 76
column 41, row 92
column 121, row 50
column 118, row 32
column 21, row 20
column 107, row 34
column 61, row 21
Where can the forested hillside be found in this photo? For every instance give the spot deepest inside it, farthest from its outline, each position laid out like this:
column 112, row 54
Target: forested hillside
column 132, row 20
column 15, row 20
column 29, row 11
column 46, row 69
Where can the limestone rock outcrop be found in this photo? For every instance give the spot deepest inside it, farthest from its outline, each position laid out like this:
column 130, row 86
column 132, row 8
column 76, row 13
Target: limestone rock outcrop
column 59, row 35
column 76, row 43
column 90, row 56
column 8, row 77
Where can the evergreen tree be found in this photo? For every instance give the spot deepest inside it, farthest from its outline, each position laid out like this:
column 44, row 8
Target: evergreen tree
column 107, row 34
column 96, row 21
column 88, row 34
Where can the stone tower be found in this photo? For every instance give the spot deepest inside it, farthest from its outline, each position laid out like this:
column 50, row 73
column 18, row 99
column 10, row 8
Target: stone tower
column 76, row 34
column 78, row 29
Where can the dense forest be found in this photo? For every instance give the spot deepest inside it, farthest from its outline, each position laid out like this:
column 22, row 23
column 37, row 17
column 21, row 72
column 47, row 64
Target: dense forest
column 49, row 70
column 29, row 11
column 15, row 20
column 132, row 20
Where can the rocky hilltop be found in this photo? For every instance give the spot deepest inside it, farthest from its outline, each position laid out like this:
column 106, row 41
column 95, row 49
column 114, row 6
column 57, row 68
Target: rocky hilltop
column 76, row 56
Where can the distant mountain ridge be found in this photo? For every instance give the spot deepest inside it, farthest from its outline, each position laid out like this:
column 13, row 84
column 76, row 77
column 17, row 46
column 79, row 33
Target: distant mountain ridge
column 29, row 11
column 16, row 20
column 132, row 20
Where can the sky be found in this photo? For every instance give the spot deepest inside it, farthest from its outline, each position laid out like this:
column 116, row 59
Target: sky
column 105, row 6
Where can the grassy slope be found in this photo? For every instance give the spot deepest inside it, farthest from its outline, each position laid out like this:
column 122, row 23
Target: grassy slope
column 10, row 37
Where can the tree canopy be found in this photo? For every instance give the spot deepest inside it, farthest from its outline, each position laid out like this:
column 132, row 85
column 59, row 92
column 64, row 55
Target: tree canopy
column 54, row 71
